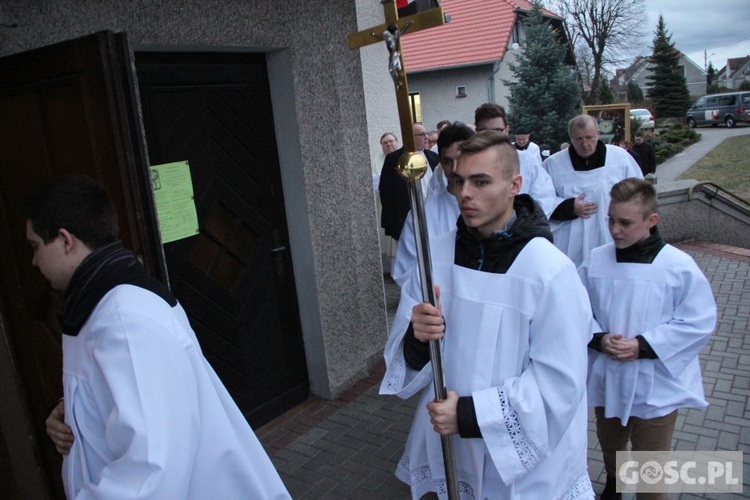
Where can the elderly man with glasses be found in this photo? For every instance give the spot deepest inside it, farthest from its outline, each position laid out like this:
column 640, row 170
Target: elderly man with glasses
column 394, row 194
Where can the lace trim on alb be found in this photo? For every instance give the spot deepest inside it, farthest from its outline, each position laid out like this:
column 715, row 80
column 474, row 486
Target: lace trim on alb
column 525, row 446
column 395, row 374
column 421, row 481
column 580, row 488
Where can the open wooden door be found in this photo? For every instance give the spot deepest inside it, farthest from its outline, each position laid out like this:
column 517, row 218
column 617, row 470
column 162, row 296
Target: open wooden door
column 64, row 109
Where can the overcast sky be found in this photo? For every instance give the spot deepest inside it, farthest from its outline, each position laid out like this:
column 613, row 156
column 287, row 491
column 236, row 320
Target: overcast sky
column 720, row 27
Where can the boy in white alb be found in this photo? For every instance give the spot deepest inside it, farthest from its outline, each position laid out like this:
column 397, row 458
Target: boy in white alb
column 516, row 321
column 145, row 416
column 656, row 312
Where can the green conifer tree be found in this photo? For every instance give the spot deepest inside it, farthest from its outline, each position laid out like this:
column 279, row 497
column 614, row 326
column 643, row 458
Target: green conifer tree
column 544, row 95
column 635, row 94
column 667, row 86
column 606, row 94
column 710, row 74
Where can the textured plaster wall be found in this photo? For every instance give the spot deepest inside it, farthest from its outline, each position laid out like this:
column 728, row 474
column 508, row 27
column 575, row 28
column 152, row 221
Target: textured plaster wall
column 320, row 116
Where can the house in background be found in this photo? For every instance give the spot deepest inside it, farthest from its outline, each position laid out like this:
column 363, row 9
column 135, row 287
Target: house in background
column 736, row 71
column 456, row 67
column 640, row 70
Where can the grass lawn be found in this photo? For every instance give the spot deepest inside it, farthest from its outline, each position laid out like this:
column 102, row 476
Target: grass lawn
column 727, row 165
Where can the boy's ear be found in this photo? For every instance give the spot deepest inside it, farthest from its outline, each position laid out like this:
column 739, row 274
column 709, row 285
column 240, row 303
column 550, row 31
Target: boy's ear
column 652, row 220
column 69, row 241
column 516, row 184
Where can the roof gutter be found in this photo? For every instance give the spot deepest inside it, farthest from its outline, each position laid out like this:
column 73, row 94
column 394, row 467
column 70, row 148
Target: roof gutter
column 455, row 66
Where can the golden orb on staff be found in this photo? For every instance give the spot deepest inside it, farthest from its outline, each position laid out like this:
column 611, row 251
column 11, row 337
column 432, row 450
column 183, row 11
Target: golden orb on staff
column 412, row 166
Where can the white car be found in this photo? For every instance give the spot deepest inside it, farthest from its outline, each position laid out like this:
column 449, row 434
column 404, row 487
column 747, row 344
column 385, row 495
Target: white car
column 645, row 116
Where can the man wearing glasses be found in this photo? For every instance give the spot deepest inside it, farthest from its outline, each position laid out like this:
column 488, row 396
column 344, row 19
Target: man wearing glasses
column 394, row 194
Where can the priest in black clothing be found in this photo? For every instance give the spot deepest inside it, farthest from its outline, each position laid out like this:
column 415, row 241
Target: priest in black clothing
column 394, row 193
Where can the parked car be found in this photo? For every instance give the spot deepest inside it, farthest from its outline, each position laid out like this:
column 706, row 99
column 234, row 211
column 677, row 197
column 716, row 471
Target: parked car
column 728, row 108
column 644, row 116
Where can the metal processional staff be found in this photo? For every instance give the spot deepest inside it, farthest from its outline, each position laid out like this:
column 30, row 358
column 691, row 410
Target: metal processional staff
column 412, row 166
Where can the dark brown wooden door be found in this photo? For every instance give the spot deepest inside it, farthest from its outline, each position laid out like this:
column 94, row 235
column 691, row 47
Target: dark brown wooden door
column 64, row 109
column 235, row 278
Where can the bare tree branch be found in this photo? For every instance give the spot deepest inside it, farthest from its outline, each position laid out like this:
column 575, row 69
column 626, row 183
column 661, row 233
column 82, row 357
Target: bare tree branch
column 609, row 29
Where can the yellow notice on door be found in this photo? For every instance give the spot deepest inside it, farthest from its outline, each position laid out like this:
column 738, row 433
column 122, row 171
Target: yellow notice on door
column 175, row 203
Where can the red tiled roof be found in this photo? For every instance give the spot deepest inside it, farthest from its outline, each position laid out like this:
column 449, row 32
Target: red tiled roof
column 734, row 63
column 478, row 32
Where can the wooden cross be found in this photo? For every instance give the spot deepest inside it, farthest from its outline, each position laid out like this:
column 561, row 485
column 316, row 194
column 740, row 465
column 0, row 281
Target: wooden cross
column 412, row 166
column 395, row 26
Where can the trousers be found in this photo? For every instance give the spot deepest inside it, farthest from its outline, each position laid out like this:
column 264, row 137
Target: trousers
column 652, row 434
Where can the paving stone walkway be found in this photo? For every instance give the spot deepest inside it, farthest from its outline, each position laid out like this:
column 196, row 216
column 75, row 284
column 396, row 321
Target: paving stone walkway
column 349, row 447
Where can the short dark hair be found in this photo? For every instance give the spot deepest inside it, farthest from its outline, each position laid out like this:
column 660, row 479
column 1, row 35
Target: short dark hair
column 487, row 139
column 638, row 190
column 78, row 204
column 387, row 134
column 443, row 123
column 488, row 111
column 454, row 132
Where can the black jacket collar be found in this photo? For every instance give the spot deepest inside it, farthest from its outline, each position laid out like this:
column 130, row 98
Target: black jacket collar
column 643, row 252
column 498, row 252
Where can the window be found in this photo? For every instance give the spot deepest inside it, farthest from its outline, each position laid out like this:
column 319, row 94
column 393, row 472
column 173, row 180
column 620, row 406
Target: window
column 515, row 36
column 415, row 103
column 461, row 91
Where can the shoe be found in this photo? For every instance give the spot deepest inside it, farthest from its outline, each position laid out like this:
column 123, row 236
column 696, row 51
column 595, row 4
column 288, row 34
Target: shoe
column 609, row 492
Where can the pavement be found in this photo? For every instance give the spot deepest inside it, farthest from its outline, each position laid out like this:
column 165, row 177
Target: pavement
column 349, row 447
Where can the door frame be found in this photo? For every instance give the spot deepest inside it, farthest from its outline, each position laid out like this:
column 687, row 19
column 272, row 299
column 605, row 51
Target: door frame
column 30, row 471
column 286, row 124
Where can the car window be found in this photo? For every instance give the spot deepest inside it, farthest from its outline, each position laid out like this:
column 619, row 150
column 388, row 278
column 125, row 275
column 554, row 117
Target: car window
column 700, row 103
column 713, row 101
column 728, row 100
column 746, row 99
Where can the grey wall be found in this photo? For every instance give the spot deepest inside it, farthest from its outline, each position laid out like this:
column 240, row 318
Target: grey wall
column 688, row 211
column 437, row 91
column 484, row 83
column 322, row 133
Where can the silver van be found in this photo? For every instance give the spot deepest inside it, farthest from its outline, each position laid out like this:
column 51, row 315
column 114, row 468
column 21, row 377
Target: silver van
column 714, row 109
